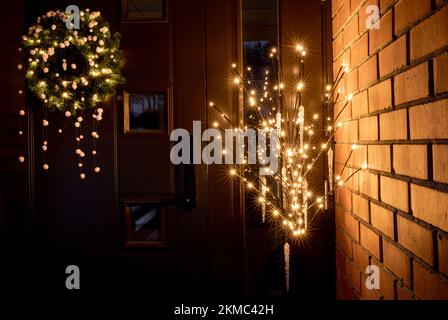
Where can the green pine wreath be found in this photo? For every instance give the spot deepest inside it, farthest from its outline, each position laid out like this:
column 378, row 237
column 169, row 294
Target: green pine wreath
column 72, row 69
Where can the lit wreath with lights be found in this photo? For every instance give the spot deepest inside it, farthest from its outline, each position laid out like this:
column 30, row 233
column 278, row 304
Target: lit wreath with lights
column 71, row 69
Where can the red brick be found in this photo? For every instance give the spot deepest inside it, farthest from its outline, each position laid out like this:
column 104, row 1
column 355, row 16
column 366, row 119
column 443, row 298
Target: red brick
column 367, row 294
column 379, row 37
column 335, row 5
column 360, row 257
column 353, row 275
column 350, row 183
column 343, row 60
column 338, row 45
column 411, row 160
column 363, row 15
column 348, row 132
column 393, row 125
column 360, row 156
column 382, row 219
column 429, row 121
column 412, row 84
column 380, row 96
column 360, row 104
column 430, row 206
column 344, row 198
column 368, row 184
column 397, row 261
column 344, row 242
column 355, row 5
column 343, row 110
column 351, row 31
column 443, row 256
column 341, row 17
column 370, row 240
column 440, row 162
column 395, row 193
column 343, row 288
column 393, row 57
column 384, row 4
column 340, row 89
column 368, row 129
column 340, row 260
column 347, row 222
column 361, row 207
column 351, row 81
column 387, row 285
column 441, row 73
column 407, row 12
column 341, row 153
column 379, row 157
column 430, row 35
column 360, row 51
column 415, row 238
column 404, row 294
column 428, row 285
column 354, row 180
column 368, row 73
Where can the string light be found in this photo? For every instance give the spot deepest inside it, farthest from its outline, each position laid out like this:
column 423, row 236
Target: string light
column 301, row 144
column 97, row 70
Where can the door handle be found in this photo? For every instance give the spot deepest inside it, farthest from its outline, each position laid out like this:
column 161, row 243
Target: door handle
column 188, row 192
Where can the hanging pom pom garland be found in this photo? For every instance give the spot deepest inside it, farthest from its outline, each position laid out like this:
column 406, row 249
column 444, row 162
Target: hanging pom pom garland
column 71, row 71
column 22, row 115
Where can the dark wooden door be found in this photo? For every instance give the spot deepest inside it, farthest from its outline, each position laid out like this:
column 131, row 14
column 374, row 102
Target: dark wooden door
column 165, row 68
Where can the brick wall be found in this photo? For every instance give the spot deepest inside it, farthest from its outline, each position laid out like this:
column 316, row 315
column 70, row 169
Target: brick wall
column 395, row 214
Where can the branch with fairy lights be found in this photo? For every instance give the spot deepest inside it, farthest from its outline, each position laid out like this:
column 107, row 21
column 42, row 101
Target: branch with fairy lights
column 286, row 194
column 71, row 71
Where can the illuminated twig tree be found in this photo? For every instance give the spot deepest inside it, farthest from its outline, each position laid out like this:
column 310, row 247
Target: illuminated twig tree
column 288, row 197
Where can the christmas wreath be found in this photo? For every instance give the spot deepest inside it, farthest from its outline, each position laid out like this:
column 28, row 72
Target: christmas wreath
column 72, row 69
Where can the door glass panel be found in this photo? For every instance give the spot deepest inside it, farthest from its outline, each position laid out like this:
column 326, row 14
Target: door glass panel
column 147, row 111
column 145, row 225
